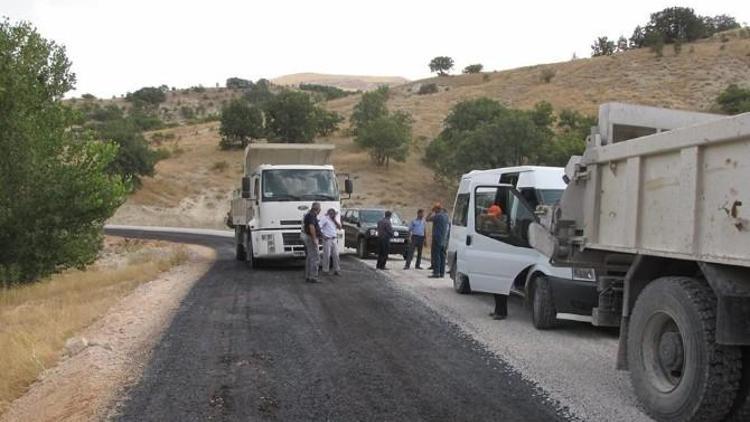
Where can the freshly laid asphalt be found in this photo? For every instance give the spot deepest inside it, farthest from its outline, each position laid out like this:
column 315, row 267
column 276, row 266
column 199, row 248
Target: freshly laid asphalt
column 263, row 345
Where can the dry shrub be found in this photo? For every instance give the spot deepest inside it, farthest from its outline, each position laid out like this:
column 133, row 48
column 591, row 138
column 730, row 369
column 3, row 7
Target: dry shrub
column 37, row 319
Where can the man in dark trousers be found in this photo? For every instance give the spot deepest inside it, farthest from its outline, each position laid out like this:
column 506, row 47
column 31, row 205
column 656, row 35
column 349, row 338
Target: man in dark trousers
column 439, row 218
column 385, row 233
column 310, row 236
column 416, row 240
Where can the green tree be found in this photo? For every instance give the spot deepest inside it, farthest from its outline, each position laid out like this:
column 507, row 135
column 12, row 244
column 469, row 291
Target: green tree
column 734, row 100
column 570, row 139
column 238, row 83
column 259, row 93
column 371, row 106
column 134, row 158
column 602, row 47
column 387, row 138
column 473, row 68
column 240, row 124
column 147, row 96
column 55, row 192
column 292, row 117
column 326, row 122
column 441, row 64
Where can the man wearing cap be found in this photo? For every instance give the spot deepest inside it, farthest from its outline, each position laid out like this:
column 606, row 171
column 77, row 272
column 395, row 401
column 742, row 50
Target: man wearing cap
column 439, row 218
column 328, row 227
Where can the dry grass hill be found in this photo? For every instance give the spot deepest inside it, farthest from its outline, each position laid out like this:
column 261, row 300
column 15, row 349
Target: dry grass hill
column 345, row 82
column 193, row 186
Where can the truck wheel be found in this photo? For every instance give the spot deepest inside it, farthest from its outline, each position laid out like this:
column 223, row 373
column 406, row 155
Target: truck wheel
column 677, row 369
column 251, row 261
column 460, row 281
column 362, row 248
column 239, row 239
column 741, row 409
column 543, row 313
column 240, row 252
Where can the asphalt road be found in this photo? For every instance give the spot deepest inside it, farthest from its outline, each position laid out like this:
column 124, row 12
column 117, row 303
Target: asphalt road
column 264, row 345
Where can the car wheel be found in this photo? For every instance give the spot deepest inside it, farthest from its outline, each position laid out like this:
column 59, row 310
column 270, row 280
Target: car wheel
column 543, row 313
column 362, row 248
column 460, row 281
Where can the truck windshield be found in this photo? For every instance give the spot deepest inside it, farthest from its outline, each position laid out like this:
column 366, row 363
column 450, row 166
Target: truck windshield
column 299, row 185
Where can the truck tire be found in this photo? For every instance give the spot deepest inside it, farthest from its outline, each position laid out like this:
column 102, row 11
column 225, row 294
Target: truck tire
column 543, row 313
column 250, row 260
column 678, row 371
column 240, row 254
column 741, row 409
column 362, row 251
column 239, row 239
column 460, row 281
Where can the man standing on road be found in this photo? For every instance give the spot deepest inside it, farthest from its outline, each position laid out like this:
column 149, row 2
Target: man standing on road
column 385, row 232
column 310, row 235
column 439, row 218
column 416, row 240
column 328, row 227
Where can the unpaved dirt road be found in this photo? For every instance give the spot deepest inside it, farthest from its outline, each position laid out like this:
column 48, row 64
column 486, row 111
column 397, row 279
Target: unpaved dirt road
column 263, row 345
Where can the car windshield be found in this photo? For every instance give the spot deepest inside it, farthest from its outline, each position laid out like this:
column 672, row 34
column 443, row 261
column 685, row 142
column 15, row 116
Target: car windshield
column 373, row 216
column 549, row 196
column 299, row 185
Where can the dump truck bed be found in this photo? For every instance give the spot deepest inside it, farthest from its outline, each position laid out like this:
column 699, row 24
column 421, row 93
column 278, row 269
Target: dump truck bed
column 684, row 193
column 281, row 154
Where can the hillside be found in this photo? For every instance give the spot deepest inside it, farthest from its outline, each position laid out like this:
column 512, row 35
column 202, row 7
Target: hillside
column 193, row 186
column 690, row 80
column 346, row 82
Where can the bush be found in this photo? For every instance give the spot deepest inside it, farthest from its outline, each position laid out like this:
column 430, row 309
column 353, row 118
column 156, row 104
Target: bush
column 147, row 96
column 425, row 89
column 328, row 92
column 547, row 74
column 473, row 68
column 292, row 116
column 734, row 100
column 238, row 83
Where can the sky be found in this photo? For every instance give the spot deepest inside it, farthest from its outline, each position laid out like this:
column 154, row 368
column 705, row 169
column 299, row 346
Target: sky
column 119, row 46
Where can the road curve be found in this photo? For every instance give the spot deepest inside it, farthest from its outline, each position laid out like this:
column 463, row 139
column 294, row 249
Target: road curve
column 263, row 345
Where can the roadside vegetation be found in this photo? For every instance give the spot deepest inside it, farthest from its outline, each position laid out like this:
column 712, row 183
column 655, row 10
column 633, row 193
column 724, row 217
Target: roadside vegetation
column 483, row 134
column 36, row 319
column 58, row 184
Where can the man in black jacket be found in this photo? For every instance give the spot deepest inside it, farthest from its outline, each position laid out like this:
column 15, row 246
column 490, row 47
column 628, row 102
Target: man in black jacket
column 385, row 232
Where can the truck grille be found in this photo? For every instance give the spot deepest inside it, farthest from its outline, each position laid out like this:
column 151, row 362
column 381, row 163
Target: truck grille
column 293, row 241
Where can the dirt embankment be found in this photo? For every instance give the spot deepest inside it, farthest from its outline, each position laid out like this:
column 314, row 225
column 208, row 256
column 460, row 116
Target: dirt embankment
column 109, row 355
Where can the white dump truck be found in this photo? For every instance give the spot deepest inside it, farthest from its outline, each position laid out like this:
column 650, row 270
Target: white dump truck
column 279, row 184
column 659, row 206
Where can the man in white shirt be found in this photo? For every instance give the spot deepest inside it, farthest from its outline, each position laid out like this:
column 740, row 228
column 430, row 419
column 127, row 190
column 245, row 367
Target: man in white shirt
column 328, row 227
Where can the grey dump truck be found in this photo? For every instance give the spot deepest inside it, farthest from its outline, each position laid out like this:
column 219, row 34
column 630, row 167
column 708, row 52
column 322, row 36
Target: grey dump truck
column 659, row 206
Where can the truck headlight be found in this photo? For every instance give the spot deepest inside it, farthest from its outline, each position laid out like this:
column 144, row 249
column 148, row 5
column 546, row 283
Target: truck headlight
column 373, row 232
column 587, row 274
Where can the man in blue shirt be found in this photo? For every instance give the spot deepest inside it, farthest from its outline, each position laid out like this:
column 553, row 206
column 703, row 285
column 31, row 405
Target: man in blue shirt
column 439, row 218
column 416, row 240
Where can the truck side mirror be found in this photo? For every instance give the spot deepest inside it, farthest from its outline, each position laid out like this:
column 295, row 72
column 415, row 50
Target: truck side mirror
column 348, row 186
column 246, row 187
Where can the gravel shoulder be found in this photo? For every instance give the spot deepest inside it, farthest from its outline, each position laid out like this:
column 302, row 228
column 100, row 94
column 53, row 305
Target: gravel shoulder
column 574, row 363
column 110, row 354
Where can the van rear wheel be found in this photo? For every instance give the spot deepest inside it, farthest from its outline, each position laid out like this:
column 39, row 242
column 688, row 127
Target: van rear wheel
column 677, row 369
column 460, row 281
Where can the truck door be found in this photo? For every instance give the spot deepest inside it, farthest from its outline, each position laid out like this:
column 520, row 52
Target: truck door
column 498, row 248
